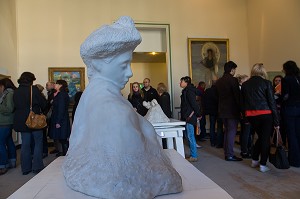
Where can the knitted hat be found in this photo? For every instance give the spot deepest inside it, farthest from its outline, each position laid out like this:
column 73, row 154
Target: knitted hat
column 110, row 40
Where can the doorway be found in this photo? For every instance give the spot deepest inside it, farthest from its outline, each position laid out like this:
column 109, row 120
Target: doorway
column 151, row 58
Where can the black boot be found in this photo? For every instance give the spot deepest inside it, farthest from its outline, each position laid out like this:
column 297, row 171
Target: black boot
column 65, row 147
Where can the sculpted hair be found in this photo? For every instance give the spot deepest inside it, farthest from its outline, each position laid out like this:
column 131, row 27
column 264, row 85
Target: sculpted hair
column 258, row 69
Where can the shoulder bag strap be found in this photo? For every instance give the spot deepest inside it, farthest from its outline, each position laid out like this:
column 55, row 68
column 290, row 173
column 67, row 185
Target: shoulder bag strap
column 279, row 139
column 31, row 98
column 297, row 81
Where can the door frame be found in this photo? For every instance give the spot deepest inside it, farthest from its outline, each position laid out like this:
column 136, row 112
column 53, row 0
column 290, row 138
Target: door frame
column 166, row 28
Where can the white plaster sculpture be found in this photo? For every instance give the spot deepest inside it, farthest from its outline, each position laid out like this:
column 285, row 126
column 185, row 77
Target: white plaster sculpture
column 114, row 152
column 155, row 114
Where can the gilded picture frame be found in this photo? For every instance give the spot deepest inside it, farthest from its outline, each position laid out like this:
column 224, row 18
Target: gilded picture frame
column 206, row 57
column 74, row 76
column 272, row 74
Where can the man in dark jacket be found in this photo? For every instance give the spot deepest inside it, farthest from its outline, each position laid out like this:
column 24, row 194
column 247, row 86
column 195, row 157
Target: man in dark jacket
column 150, row 93
column 229, row 108
column 190, row 112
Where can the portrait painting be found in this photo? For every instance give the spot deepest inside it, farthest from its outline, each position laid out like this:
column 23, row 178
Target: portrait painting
column 207, row 58
column 73, row 76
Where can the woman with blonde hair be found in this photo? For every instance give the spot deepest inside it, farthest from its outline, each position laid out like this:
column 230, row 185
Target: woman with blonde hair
column 164, row 99
column 136, row 98
column 260, row 110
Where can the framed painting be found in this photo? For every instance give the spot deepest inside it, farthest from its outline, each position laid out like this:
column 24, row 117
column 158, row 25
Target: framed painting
column 4, row 76
column 75, row 77
column 207, row 58
column 272, row 74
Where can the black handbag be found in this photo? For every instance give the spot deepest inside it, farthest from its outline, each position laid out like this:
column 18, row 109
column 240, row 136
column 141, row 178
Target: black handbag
column 279, row 158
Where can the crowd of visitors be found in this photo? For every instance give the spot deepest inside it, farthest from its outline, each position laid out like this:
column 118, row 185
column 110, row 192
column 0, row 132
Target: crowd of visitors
column 260, row 108
column 255, row 104
column 15, row 105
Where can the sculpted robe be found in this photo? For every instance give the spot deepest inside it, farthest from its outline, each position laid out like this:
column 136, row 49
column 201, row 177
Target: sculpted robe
column 114, row 152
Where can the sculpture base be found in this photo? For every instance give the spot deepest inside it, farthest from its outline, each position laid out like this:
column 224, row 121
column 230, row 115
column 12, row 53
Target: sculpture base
column 50, row 183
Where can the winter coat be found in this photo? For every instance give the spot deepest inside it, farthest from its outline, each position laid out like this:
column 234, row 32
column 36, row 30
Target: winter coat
column 136, row 101
column 7, row 108
column 228, row 97
column 60, row 115
column 257, row 94
column 21, row 100
column 165, row 104
column 189, row 104
column 210, row 101
column 290, row 91
column 150, row 94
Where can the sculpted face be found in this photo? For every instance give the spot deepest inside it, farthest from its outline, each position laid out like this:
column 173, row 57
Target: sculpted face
column 117, row 70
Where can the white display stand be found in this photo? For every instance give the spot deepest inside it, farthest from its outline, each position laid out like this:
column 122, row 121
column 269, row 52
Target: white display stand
column 173, row 132
column 50, row 183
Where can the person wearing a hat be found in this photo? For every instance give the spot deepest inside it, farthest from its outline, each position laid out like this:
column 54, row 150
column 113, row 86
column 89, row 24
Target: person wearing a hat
column 22, row 107
column 114, row 152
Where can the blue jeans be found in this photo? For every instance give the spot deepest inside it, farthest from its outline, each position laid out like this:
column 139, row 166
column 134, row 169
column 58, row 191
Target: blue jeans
column 292, row 124
column 34, row 163
column 7, row 146
column 191, row 138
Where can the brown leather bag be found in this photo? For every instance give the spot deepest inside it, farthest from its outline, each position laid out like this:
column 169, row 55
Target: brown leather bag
column 35, row 121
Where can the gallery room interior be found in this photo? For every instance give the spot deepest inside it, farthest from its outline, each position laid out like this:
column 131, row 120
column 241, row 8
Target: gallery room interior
column 44, row 37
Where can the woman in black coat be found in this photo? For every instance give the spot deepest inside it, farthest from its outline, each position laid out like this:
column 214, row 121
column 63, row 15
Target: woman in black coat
column 60, row 128
column 291, row 110
column 21, row 100
column 136, row 98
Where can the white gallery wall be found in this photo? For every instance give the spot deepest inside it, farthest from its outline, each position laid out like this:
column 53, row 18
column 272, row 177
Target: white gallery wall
column 48, row 33
column 8, row 38
column 273, row 32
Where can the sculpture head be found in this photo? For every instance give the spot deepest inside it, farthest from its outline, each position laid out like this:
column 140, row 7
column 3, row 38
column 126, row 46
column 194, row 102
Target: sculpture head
column 108, row 50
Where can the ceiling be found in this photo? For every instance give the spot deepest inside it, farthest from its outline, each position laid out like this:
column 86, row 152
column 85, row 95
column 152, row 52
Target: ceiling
column 148, row 57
